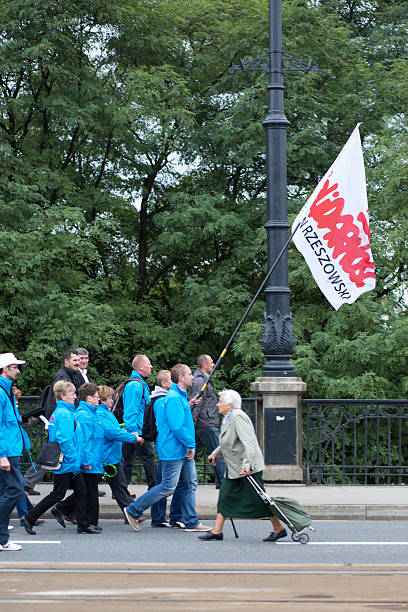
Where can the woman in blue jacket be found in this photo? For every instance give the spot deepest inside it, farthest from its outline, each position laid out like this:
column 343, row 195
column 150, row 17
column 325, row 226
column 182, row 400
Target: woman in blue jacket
column 62, row 429
column 114, row 435
column 91, row 456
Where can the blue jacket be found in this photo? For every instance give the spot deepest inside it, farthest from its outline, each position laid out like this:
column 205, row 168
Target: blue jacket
column 174, row 424
column 92, row 434
column 114, row 435
column 135, row 400
column 62, row 429
column 13, row 438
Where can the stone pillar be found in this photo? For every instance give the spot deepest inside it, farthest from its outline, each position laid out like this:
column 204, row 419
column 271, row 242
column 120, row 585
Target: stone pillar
column 279, row 428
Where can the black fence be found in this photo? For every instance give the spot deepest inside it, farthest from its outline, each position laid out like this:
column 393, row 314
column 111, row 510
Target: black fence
column 362, row 442
column 36, row 431
column 359, row 442
column 37, row 435
column 205, row 471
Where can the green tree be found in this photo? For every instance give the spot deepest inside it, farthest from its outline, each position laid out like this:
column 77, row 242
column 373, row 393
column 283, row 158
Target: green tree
column 133, row 192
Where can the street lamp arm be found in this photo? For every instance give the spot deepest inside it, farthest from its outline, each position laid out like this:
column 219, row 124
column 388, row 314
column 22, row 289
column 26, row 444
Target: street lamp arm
column 258, row 63
column 289, row 64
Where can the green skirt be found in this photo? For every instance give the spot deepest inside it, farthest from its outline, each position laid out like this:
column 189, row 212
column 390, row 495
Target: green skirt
column 238, row 499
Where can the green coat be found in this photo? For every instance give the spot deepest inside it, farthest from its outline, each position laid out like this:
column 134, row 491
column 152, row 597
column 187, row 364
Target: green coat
column 238, row 445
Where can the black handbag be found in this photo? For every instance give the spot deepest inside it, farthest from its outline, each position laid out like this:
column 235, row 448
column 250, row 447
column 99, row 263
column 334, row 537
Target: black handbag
column 50, row 456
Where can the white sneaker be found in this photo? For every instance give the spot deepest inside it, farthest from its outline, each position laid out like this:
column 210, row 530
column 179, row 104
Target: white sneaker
column 133, row 522
column 10, row 527
column 10, row 546
column 199, row 527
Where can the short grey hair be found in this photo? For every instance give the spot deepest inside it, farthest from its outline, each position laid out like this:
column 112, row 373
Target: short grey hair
column 231, row 397
column 201, row 360
column 82, row 351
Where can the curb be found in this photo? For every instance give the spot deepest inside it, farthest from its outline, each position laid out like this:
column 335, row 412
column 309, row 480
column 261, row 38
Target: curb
column 318, row 512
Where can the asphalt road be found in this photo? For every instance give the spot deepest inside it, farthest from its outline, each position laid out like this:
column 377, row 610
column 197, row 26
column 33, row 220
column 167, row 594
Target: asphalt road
column 347, row 566
column 334, row 542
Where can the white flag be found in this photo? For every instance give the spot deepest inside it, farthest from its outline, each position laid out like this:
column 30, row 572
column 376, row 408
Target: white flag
column 334, row 234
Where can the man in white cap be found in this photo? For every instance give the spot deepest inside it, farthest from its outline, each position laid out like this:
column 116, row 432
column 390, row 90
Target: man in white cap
column 13, row 440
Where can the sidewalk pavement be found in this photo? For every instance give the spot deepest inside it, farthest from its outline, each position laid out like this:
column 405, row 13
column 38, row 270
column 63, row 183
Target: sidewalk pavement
column 322, row 502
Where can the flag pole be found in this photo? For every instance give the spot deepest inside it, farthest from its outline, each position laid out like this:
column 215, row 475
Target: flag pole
column 238, row 327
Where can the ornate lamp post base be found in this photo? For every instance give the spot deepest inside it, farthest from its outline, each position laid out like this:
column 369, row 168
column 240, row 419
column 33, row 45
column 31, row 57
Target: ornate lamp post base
column 278, row 344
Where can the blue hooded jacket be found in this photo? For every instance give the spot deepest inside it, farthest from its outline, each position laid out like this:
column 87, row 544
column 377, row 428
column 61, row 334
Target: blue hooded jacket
column 92, row 434
column 135, row 399
column 13, row 438
column 114, row 435
column 176, row 433
column 61, row 429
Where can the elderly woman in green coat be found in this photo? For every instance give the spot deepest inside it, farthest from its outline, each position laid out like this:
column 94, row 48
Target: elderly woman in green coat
column 240, row 450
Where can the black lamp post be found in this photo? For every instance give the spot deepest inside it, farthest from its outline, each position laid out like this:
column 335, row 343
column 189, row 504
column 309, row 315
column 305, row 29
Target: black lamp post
column 278, row 340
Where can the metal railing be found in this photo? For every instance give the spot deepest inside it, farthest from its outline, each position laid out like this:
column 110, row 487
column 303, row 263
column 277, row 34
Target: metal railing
column 36, row 431
column 37, row 435
column 356, row 441
column 345, row 441
column 205, row 471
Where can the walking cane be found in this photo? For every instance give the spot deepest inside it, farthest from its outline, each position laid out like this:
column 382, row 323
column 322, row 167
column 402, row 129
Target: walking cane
column 235, row 531
column 238, row 327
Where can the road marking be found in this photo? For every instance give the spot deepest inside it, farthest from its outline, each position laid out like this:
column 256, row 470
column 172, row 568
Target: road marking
column 341, row 570
column 345, row 544
column 37, row 541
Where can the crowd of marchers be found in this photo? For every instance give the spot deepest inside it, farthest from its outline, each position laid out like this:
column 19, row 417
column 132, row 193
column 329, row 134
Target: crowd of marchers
column 96, row 442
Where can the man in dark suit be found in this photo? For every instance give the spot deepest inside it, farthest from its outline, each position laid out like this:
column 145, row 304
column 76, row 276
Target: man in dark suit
column 69, row 372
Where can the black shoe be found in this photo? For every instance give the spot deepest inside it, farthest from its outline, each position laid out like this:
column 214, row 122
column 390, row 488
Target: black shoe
column 36, row 523
column 28, row 526
column 211, row 536
column 276, row 536
column 99, row 529
column 89, row 530
column 69, row 519
column 101, row 493
column 158, row 525
column 58, row 515
column 31, row 491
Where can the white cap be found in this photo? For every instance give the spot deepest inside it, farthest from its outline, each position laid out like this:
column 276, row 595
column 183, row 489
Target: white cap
column 7, row 359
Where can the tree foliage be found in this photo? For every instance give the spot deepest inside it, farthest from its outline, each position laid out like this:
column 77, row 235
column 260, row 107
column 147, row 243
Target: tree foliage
column 133, row 191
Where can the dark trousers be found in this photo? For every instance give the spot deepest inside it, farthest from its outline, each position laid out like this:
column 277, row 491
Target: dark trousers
column 209, row 437
column 11, row 488
column 34, row 475
column 118, row 487
column 63, row 482
column 146, row 454
column 68, row 507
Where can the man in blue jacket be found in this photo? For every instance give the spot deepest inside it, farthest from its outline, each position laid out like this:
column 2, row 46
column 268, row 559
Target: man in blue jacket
column 13, row 440
column 175, row 445
column 135, row 399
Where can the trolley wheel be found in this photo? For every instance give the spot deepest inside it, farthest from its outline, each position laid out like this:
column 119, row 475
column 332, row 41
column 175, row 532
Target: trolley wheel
column 296, row 537
column 303, row 538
